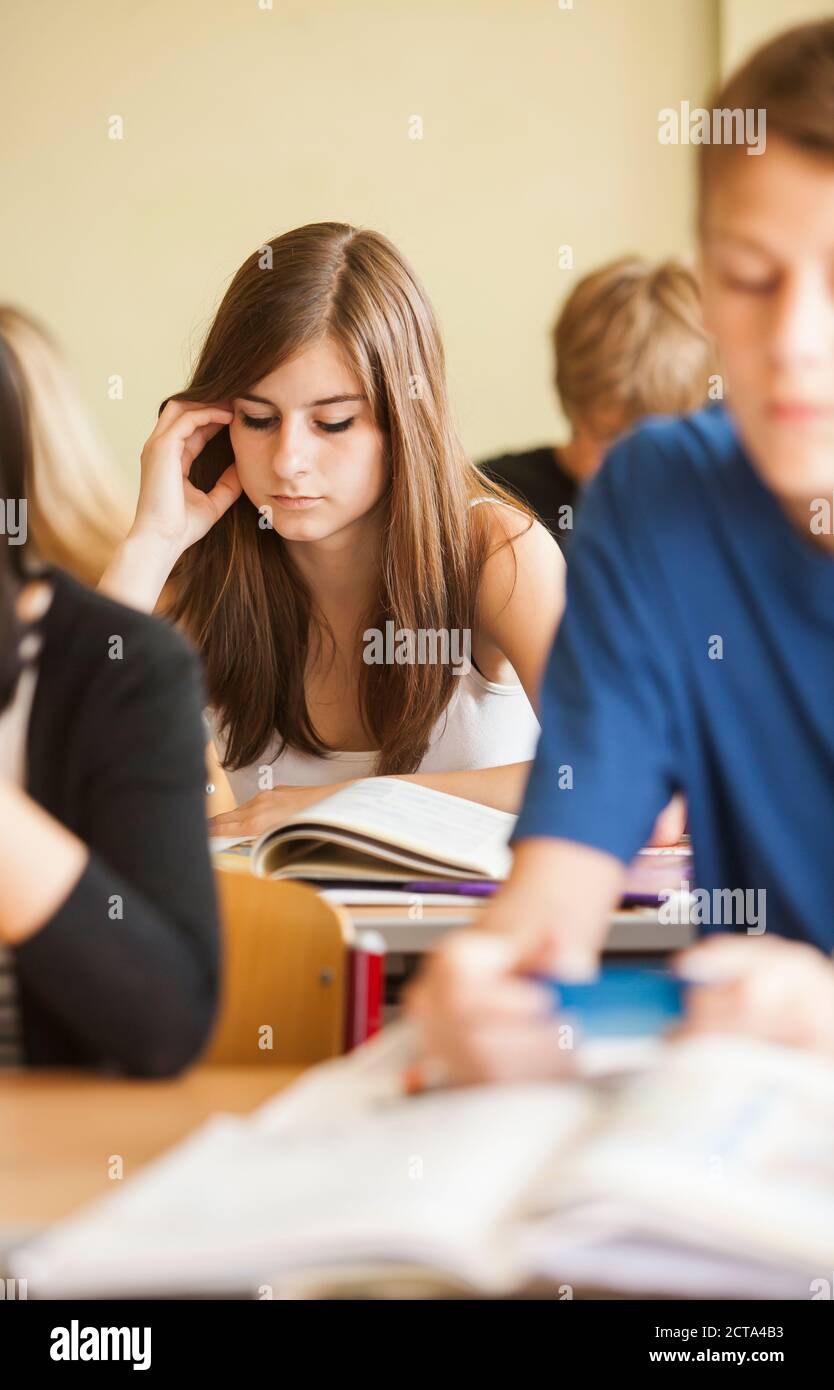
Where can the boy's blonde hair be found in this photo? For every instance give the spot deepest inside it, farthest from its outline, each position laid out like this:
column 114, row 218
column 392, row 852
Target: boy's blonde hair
column 630, row 336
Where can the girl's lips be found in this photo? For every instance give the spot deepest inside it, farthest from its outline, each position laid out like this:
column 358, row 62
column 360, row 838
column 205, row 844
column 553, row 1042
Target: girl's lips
column 295, row 503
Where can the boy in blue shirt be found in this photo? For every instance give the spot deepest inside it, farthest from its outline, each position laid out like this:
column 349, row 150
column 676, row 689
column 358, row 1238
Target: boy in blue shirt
column 696, row 653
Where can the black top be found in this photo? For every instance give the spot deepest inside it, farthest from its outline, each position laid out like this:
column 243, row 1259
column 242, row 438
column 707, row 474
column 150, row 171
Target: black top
column 125, row 974
column 537, row 478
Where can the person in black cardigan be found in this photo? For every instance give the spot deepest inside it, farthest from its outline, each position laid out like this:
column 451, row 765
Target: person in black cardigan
column 107, row 905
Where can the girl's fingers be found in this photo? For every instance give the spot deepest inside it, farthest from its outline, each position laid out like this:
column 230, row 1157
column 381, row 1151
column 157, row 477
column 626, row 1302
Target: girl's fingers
column 174, row 409
column 194, row 445
column 217, row 501
column 226, row 490
column 243, row 818
column 185, row 424
column 226, row 820
column 171, row 412
column 176, row 430
column 180, row 427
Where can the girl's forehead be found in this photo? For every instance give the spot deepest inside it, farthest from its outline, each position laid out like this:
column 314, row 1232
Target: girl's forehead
column 318, row 370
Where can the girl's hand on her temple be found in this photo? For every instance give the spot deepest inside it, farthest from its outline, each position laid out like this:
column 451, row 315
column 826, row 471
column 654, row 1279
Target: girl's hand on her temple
column 266, row 810
column 171, row 510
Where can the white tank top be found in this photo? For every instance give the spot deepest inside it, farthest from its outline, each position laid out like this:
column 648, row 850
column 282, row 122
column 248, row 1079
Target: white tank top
column 485, row 724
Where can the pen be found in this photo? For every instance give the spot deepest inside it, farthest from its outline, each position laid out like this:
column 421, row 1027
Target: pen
column 481, row 889
column 488, row 888
column 423, row 1076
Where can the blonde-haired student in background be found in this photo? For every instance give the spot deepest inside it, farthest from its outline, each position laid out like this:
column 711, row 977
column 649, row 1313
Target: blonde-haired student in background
column 629, row 341
column 79, row 506
column 309, row 487
column 78, row 503
column 697, row 648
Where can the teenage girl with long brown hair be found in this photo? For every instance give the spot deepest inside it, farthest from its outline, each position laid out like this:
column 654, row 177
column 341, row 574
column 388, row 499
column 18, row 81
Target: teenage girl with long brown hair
column 307, row 489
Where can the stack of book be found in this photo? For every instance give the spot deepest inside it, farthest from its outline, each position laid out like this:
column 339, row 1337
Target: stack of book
column 412, row 863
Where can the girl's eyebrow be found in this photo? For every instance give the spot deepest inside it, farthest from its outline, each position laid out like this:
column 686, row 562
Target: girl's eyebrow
column 326, row 400
column 334, row 400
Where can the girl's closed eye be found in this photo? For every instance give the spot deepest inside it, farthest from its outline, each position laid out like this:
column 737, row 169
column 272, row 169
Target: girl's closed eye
column 257, row 422
column 264, row 422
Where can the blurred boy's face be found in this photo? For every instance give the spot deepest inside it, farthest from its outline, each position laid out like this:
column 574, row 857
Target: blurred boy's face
column 592, row 436
column 768, row 283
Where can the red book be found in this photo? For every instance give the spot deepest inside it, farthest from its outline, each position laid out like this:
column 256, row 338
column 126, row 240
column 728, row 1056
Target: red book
column 366, row 972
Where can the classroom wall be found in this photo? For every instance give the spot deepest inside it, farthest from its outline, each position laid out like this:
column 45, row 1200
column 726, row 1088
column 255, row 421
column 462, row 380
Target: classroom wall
column 241, row 120
column 744, row 24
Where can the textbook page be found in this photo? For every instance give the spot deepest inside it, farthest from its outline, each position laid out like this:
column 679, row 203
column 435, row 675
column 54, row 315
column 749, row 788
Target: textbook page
column 345, row 1087
column 626, row 1260
column 434, row 1181
column 422, row 820
column 327, row 855
column 726, row 1142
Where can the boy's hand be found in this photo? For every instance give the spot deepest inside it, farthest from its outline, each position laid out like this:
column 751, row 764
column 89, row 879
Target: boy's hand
column 762, row 986
column 479, row 1020
column 477, row 1016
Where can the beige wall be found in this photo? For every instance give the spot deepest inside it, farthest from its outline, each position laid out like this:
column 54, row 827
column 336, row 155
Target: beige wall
column 744, row 24
column 540, row 129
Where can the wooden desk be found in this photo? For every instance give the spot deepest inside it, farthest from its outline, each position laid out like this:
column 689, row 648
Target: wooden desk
column 58, row 1130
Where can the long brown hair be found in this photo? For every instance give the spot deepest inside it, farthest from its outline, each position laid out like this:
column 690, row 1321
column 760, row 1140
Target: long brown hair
column 237, row 592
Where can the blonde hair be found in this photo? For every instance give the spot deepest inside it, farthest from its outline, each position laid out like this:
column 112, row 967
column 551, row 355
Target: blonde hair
column 78, row 506
column 630, row 335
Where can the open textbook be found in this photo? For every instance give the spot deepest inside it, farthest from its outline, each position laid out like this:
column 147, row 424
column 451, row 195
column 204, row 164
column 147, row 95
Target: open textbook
column 383, row 828
column 709, row 1174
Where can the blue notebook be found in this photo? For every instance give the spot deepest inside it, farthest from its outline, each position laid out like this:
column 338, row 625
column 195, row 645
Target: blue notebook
column 624, row 1001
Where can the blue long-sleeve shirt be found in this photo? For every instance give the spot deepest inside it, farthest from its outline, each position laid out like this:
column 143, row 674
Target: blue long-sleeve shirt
column 696, row 653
